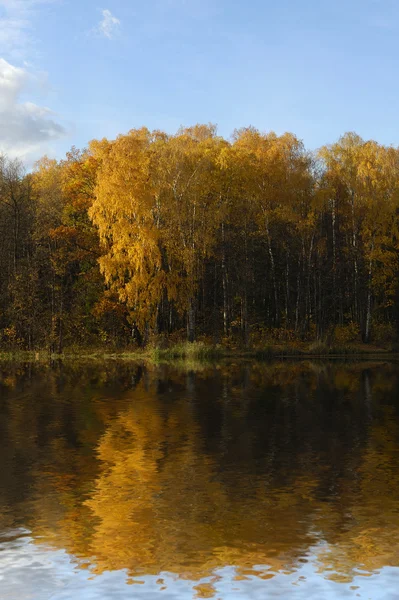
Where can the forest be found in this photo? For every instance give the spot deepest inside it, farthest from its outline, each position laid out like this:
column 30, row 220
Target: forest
column 156, row 238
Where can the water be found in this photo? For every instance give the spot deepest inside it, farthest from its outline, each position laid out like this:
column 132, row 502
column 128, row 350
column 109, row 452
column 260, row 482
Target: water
column 256, row 481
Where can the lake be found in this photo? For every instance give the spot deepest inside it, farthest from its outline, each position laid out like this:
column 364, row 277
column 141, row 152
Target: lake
column 245, row 480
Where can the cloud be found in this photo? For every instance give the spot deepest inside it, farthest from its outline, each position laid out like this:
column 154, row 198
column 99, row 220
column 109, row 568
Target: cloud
column 15, row 25
column 109, row 27
column 26, row 128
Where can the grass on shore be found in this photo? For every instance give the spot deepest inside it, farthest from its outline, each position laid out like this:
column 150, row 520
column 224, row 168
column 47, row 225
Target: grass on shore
column 201, row 352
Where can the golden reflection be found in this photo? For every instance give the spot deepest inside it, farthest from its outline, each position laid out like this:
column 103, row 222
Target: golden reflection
column 261, row 467
column 160, row 504
column 367, row 537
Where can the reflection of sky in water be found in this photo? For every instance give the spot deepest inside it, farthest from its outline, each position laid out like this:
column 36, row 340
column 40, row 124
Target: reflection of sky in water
column 30, row 571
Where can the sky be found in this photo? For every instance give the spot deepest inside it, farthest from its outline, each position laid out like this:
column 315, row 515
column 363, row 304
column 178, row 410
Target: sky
column 74, row 70
column 30, row 567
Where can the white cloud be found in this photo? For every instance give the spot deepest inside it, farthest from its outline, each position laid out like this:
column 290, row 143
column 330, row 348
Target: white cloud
column 26, row 129
column 109, row 26
column 15, row 25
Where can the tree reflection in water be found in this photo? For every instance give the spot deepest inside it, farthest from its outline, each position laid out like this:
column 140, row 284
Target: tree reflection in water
column 159, row 470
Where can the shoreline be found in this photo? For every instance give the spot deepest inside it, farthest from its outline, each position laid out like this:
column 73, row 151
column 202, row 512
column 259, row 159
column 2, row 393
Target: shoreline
column 203, row 353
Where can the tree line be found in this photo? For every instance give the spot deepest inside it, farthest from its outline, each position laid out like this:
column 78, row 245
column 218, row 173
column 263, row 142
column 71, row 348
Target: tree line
column 155, row 235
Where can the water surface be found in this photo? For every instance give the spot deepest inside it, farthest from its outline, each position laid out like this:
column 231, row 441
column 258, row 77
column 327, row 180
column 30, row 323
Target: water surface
column 254, row 480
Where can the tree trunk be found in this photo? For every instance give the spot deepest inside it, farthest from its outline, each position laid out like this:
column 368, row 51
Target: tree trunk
column 273, row 268
column 369, row 294
column 355, row 265
column 191, row 321
column 225, row 287
column 298, row 294
column 287, row 289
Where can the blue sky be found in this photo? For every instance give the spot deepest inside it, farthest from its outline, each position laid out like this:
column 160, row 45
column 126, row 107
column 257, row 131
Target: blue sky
column 317, row 68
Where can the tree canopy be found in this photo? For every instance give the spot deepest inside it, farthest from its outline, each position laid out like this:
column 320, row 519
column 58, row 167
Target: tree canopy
column 190, row 234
